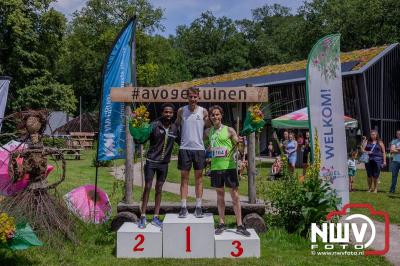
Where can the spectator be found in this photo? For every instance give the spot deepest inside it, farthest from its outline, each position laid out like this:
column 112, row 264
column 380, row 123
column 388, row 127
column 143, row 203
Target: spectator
column 283, row 143
column 306, row 152
column 291, row 152
column 395, row 165
column 375, row 149
column 351, row 166
column 270, row 149
column 300, row 139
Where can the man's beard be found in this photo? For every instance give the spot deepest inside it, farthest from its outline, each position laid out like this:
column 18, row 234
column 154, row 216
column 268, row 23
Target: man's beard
column 166, row 120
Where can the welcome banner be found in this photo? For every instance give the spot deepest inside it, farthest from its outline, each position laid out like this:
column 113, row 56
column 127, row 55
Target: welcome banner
column 326, row 112
column 117, row 73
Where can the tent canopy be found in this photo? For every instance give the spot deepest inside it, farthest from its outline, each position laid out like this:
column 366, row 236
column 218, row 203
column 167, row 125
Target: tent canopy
column 299, row 119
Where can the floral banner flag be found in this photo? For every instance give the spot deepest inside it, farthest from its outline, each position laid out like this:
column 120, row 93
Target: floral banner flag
column 326, row 112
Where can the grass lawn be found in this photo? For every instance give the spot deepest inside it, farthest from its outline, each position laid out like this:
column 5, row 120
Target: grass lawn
column 97, row 243
column 380, row 201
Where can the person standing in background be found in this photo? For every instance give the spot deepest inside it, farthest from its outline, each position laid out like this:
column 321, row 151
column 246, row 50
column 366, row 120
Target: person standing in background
column 395, row 165
column 375, row 149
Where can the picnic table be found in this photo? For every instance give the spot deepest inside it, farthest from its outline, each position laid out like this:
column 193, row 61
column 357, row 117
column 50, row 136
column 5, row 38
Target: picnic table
column 83, row 140
column 71, row 153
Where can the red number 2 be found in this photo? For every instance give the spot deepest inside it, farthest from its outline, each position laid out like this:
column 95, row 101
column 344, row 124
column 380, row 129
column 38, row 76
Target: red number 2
column 137, row 247
column 188, row 239
column 239, row 248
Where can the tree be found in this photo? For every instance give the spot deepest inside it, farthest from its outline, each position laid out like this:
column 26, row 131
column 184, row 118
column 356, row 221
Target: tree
column 90, row 37
column 31, row 34
column 271, row 35
column 362, row 23
column 46, row 93
column 212, row 46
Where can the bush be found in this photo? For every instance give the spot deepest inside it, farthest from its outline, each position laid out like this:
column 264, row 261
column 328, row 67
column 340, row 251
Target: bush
column 54, row 142
column 298, row 204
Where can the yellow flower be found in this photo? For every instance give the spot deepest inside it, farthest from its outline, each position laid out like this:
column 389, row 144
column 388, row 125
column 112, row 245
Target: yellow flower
column 140, row 117
column 7, row 227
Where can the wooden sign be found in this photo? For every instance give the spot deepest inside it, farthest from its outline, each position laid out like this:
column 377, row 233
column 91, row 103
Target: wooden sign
column 207, row 94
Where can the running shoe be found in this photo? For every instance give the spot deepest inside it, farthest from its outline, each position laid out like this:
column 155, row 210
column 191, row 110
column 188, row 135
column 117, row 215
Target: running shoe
column 220, row 229
column 183, row 212
column 242, row 230
column 155, row 221
column 198, row 212
column 142, row 222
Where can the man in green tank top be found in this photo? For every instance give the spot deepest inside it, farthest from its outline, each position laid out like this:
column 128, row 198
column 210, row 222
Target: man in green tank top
column 222, row 142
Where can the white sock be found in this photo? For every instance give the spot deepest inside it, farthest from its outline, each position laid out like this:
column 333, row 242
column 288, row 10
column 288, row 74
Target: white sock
column 198, row 202
column 183, row 202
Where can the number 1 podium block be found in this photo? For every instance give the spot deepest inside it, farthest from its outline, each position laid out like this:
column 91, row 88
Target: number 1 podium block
column 229, row 244
column 133, row 242
column 188, row 237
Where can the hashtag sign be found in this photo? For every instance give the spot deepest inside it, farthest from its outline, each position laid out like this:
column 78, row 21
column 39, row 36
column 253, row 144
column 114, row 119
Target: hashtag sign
column 135, row 93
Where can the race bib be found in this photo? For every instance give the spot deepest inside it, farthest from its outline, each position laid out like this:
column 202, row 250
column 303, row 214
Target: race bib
column 219, row 152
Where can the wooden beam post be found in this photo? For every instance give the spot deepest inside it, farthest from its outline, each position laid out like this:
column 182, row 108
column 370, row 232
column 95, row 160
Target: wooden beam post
column 251, row 169
column 130, row 151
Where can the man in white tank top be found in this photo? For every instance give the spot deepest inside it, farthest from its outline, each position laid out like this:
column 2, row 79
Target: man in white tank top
column 192, row 119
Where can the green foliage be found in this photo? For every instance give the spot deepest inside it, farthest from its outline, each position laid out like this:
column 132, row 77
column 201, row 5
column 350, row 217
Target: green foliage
column 298, row 204
column 31, row 36
column 54, row 142
column 90, row 37
column 361, row 23
column 46, row 93
column 212, row 46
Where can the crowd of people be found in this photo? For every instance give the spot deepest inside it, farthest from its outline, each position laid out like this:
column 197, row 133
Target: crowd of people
column 371, row 153
column 289, row 145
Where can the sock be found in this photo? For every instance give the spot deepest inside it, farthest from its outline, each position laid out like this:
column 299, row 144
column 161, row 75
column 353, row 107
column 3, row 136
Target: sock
column 183, row 203
column 198, row 202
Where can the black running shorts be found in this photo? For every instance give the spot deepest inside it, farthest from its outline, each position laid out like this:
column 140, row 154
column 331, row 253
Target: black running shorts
column 187, row 158
column 152, row 168
column 228, row 177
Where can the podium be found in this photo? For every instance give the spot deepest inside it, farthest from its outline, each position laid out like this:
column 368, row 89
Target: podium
column 188, row 237
column 133, row 242
column 229, row 244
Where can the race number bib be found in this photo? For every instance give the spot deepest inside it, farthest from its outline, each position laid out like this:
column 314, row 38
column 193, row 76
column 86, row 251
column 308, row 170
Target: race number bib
column 219, row 152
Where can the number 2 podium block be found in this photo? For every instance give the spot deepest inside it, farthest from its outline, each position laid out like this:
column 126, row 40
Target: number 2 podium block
column 133, row 242
column 188, row 237
column 229, row 244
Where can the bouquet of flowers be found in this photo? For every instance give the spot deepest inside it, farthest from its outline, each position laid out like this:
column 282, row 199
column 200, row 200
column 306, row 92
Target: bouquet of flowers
column 254, row 120
column 16, row 237
column 139, row 126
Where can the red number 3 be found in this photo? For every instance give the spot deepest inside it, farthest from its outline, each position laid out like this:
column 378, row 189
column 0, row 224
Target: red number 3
column 239, row 248
column 137, row 247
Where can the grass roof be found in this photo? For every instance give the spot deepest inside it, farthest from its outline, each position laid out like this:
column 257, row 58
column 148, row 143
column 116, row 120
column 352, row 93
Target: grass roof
column 362, row 56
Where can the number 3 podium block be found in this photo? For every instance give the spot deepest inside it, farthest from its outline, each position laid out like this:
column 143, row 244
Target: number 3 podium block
column 133, row 242
column 188, row 237
column 231, row 245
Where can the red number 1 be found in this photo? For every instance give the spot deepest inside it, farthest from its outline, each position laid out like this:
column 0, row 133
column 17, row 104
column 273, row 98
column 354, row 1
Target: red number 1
column 239, row 248
column 137, row 247
column 188, row 239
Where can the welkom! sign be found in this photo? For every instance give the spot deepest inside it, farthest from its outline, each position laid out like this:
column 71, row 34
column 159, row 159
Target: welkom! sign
column 207, row 94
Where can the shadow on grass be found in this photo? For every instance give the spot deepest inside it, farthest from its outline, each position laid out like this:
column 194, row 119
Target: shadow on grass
column 8, row 257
